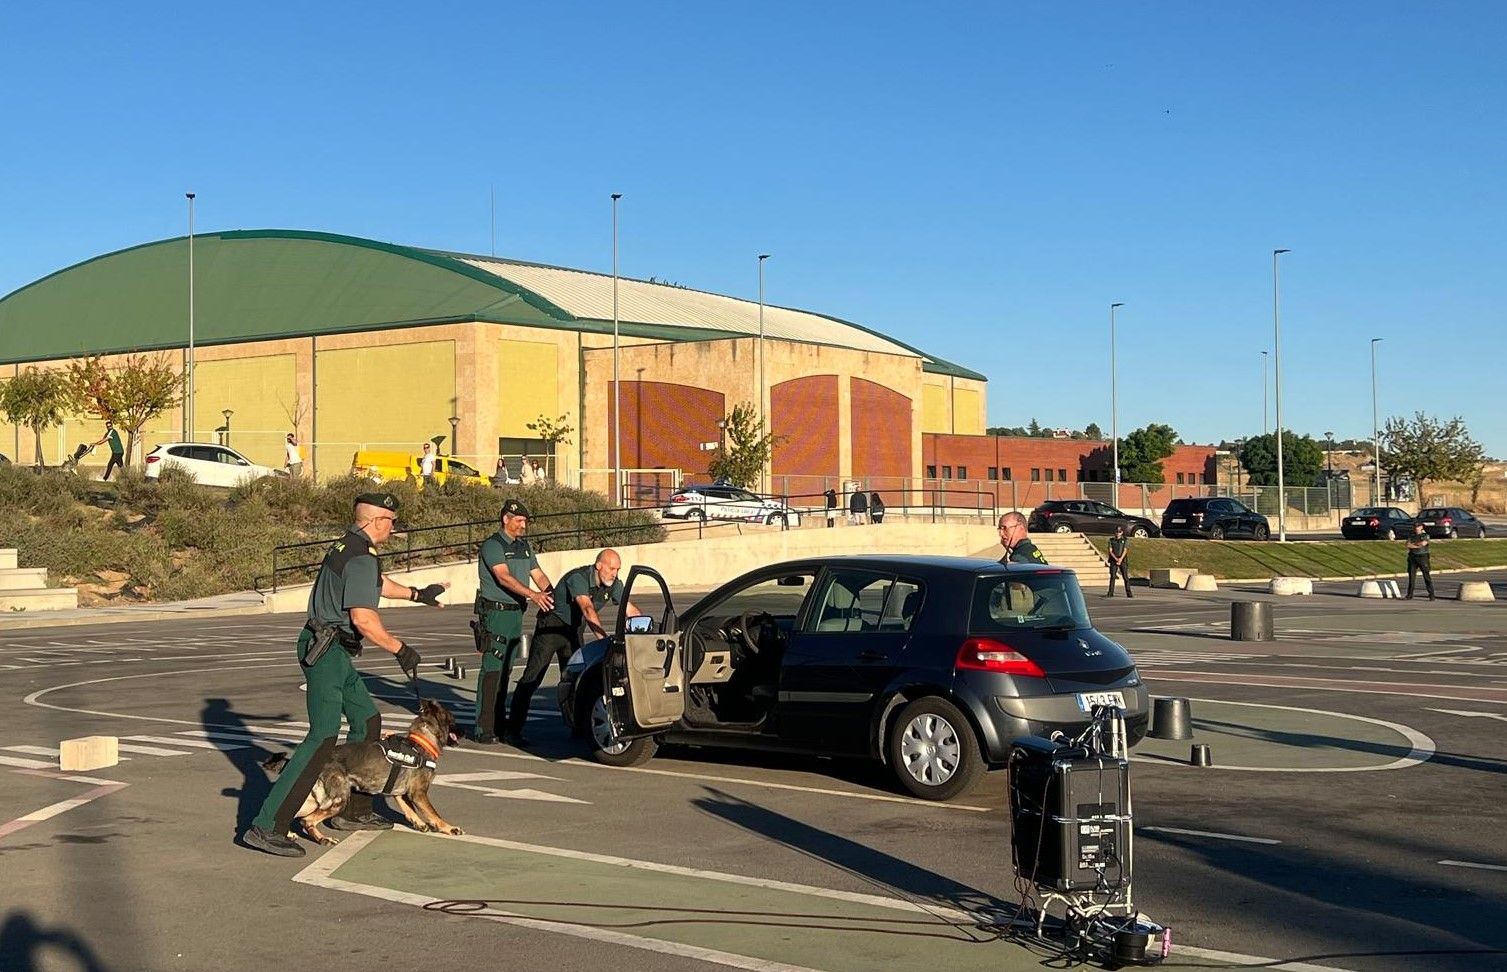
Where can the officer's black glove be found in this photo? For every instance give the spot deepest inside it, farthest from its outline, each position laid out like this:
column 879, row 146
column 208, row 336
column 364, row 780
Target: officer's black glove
column 408, row 660
column 429, row 595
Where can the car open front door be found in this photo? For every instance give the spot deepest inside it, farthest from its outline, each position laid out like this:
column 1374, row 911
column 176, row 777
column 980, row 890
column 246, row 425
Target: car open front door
column 643, row 673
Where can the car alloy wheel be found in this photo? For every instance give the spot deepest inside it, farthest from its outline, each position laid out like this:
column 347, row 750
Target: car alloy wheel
column 1481, row 533
column 1140, row 532
column 1216, row 533
column 1391, row 535
column 696, row 515
column 775, row 519
column 1063, row 528
column 932, row 749
column 602, row 732
column 1262, row 533
column 1454, row 534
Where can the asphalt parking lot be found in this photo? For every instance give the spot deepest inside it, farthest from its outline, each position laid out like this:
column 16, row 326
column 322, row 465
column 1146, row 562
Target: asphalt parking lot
column 1349, row 820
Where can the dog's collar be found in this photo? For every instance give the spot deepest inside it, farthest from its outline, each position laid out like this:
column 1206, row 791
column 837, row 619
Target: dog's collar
column 423, row 743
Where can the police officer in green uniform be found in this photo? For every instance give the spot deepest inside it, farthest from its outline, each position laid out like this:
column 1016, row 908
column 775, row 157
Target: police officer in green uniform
column 1119, row 549
column 342, row 611
column 504, row 566
column 1418, row 559
column 1018, row 546
column 580, row 595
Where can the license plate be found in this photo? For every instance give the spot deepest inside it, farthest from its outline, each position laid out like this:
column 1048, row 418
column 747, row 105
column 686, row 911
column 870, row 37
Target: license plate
column 1087, row 700
column 1179, row 519
column 1357, row 522
column 1428, row 522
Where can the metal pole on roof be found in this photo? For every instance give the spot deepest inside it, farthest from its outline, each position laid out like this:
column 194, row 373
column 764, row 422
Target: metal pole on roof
column 1375, row 432
column 188, row 377
column 763, row 429
column 1277, row 388
column 1114, row 399
column 617, row 394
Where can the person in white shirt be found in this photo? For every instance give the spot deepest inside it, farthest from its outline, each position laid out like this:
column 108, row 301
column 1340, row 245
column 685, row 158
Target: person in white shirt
column 426, row 462
column 526, row 471
column 294, row 460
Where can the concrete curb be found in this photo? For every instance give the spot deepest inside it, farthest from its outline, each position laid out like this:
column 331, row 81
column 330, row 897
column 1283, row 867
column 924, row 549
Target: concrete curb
column 119, row 616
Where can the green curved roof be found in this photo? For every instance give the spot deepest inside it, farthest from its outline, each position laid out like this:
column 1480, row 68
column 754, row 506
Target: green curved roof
column 254, row 285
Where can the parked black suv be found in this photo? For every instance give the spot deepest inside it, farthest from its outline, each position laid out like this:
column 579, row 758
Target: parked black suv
column 1450, row 523
column 1086, row 516
column 1214, row 518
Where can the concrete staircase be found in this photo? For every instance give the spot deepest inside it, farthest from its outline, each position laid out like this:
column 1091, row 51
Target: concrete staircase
column 25, row 588
column 1073, row 550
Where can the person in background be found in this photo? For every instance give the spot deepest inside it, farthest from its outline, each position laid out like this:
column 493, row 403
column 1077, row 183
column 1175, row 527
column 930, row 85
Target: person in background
column 526, row 471
column 831, row 495
column 858, row 508
column 1418, row 559
column 426, row 463
column 1119, row 548
column 876, row 508
column 117, row 451
column 294, row 461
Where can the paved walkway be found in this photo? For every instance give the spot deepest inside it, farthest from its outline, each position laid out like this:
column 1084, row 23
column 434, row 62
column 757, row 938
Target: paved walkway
column 223, row 605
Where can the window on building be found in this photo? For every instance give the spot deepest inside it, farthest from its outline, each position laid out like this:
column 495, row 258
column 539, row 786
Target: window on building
column 946, row 472
column 962, row 472
column 1062, row 475
column 994, row 472
column 1005, row 473
column 1179, row 479
column 931, row 472
column 1049, row 475
column 1035, row 475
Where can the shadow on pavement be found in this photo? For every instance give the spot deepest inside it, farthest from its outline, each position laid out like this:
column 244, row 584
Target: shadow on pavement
column 26, row 946
column 1303, row 740
column 217, row 714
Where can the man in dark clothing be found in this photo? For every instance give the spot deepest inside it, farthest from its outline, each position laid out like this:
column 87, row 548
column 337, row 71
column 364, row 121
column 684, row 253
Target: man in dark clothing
column 117, row 450
column 876, row 508
column 1119, row 546
column 579, row 595
column 858, row 507
column 831, row 495
column 1418, row 559
column 1018, row 547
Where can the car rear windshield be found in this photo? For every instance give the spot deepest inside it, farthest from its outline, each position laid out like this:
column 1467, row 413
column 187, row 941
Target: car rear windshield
column 1434, row 513
column 1370, row 511
column 1182, row 506
column 1026, row 599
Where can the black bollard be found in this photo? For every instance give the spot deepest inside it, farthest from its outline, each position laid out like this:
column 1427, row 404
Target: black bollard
column 1251, row 621
column 1171, row 719
column 1200, row 756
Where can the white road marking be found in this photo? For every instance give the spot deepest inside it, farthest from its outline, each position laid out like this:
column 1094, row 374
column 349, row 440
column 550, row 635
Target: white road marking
column 150, row 750
column 1207, row 833
column 26, row 763
column 235, row 737
column 1478, row 867
column 104, row 788
column 485, row 775
column 1468, row 714
column 35, row 697
column 32, row 750
column 195, row 743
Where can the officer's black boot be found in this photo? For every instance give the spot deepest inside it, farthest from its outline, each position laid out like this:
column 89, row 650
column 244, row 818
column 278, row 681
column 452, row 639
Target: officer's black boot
column 359, row 815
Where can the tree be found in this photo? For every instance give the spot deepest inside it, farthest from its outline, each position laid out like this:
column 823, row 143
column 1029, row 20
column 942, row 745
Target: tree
column 141, row 389
column 1428, row 450
column 551, row 430
column 1034, row 429
column 1007, row 430
column 1094, row 432
column 744, row 450
column 1302, row 458
column 37, row 400
column 1142, row 452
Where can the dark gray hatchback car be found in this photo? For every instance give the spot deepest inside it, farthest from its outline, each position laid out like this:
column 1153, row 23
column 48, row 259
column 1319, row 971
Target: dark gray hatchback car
column 933, row 665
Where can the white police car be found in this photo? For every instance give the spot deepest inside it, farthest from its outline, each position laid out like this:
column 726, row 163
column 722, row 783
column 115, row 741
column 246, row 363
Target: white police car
column 724, row 502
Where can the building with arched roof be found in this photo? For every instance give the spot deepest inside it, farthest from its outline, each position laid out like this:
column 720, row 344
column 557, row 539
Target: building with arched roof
column 354, row 343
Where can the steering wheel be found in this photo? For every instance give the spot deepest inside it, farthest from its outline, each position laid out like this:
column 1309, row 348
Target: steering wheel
column 745, row 624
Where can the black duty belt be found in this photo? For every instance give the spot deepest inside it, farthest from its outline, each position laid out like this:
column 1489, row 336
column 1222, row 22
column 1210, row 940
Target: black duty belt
column 485, row 604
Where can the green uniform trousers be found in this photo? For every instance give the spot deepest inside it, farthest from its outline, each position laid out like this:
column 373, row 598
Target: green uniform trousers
column 334, row 689
column 505, row 631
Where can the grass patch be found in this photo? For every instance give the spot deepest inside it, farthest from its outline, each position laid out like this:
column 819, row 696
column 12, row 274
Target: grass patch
column 1318, row 558
column 172, row 539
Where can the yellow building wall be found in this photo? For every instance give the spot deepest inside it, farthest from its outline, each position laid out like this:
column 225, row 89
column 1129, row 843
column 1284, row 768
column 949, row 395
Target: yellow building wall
column 528, row 386
column 259, row 391
column 967, row 412
column 934, row 413
column 394, row 397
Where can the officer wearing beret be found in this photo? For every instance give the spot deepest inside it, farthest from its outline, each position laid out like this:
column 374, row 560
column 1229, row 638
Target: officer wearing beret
column 581, row 593
column 505, row 565
column 342, row 611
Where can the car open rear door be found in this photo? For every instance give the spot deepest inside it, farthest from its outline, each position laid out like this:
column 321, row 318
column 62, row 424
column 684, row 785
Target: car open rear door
column 643, row 673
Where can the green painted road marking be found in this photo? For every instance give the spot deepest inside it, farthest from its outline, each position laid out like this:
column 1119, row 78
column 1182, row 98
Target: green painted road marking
column 1277, row 738
column 724, row 919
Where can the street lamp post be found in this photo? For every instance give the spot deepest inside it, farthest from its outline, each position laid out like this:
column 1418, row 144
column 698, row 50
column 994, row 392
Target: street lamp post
column 1277, row 389
column 1329, row 458
column 763, row 422
column 1375, row 431
column 1265, row 383
column 454, row 424
column 1114, row 400
column 617, row 391
column 227, row 413
column 188, row 361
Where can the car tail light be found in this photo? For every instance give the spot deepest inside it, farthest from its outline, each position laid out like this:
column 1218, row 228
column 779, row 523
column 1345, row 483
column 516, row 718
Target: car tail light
column 1373, row 522
column 152, row 459
column 1445, row 521
column 1198, row 516
column 988, row 655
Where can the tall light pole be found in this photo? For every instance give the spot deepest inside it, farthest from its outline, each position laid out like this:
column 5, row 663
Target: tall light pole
column 617, row 390
column 762, row 418
column 1329, row 459
column 188, row 361
column 1375, row 431
column 1277, row 388
column 1265, row 383
column 1114, row 399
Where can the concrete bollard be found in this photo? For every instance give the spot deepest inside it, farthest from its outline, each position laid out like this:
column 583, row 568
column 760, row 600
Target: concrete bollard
column 1201, row 755
column 1381, row 588
column 1288, row 586
column 1251, row 621
column 1201, row 582
column 88, row 753
column 1171, row 719
column 1172, row 578
column 1476, row 591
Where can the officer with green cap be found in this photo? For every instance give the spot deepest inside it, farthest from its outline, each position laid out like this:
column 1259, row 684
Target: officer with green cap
column 505, row 565
column 342, row 611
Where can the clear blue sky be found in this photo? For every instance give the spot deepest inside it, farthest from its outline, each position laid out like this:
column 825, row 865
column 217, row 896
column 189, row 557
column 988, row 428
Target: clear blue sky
column 978, row 180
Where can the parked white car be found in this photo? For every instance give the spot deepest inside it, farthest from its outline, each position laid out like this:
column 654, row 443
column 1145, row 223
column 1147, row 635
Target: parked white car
column 728, row 503
column 210, row 465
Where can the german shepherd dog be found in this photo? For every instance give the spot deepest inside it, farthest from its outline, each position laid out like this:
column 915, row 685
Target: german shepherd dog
column 363, row 766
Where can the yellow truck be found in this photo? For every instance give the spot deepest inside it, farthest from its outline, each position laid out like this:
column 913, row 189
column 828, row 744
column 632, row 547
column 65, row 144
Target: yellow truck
column 384, row 466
